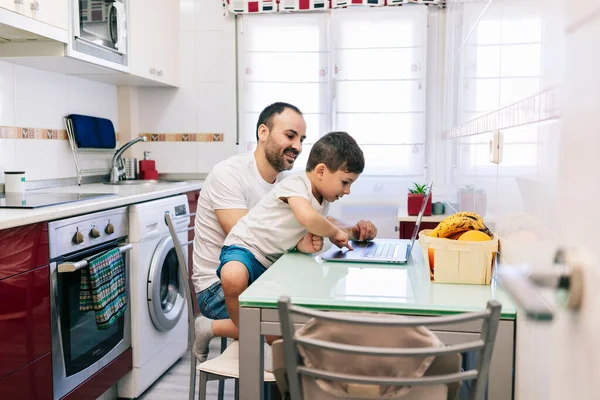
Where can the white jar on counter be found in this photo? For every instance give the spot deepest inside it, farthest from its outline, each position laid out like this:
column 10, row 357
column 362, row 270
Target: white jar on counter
column 14, row 181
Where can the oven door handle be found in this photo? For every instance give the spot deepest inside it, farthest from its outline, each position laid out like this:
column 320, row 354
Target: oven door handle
column 76, row 266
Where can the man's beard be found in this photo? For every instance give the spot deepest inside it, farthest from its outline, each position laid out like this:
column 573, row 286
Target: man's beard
column 276, row 157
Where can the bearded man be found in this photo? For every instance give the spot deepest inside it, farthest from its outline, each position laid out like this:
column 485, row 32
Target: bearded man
column 232, row 188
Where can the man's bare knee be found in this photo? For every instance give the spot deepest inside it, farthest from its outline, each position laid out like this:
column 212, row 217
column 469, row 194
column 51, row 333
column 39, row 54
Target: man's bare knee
column 234, row 278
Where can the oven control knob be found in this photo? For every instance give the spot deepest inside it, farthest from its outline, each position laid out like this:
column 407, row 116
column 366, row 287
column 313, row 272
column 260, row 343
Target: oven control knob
column 78, row 237
column 110, row 229
column 94, row 233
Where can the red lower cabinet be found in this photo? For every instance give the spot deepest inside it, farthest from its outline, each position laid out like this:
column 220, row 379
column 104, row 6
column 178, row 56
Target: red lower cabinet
column 23, row 248
column 24, row 320
column 406, row 228
column 104, row 379
column 33, row 382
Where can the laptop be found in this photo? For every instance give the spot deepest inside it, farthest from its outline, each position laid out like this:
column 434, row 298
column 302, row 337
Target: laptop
column 395, row 251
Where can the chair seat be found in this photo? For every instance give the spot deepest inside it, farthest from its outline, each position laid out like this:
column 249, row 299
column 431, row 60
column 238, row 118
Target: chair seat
column 228, row 364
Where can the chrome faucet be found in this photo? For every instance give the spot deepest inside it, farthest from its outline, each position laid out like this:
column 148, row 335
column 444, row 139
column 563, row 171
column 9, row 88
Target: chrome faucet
column 118, row 168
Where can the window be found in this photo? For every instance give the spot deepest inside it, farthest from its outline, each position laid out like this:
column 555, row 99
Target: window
column 358, row 70
column 502, row 66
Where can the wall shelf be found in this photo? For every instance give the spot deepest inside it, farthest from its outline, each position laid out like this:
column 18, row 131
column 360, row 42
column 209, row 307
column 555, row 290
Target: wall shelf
column 541, row 107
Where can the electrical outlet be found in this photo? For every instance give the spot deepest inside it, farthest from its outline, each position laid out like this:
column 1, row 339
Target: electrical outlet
column 495, row 148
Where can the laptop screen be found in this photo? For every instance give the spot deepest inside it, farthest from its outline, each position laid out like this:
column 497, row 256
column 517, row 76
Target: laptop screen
column 421, row 212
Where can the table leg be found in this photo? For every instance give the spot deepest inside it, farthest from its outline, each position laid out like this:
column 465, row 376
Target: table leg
column 251, row 355
column 500, row 382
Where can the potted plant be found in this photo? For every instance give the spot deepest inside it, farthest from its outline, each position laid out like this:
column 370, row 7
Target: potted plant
column 415, row 200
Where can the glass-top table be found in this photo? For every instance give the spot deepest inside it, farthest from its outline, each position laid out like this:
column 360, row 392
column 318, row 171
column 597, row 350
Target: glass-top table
column 394, row 289
column 399, row 289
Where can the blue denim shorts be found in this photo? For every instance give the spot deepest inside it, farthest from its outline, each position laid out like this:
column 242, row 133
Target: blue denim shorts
column 212, row 302
column 240, row 254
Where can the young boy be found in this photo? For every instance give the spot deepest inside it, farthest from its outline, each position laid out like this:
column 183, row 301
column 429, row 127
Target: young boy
column 280, row 221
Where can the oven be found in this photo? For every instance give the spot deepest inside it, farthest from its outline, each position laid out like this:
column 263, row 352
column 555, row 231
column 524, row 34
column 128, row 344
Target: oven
column 100, row 29
column 79, row 348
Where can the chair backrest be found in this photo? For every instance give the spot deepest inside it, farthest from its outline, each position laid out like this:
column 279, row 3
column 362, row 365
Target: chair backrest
column 184, row 275
column 340, row 351
column 184, row 278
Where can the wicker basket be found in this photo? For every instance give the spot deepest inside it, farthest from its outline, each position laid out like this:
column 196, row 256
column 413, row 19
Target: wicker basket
column 457, row 261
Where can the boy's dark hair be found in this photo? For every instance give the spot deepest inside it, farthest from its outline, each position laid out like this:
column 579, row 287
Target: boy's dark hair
column 266, row 116
column 338, row 151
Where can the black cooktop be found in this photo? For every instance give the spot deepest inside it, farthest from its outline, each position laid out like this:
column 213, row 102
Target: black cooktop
column 44, row 199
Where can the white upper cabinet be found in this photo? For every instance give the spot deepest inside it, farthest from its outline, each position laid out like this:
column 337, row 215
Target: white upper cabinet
column 52, row 12
column 154, row 44
column 35, row 19
column 12, row 5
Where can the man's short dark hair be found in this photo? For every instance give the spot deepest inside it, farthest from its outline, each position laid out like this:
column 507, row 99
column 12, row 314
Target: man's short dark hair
column 266, row 116
column 338, row 151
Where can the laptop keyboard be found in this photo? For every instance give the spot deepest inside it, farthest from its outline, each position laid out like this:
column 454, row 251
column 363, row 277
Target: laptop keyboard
column 382, row 250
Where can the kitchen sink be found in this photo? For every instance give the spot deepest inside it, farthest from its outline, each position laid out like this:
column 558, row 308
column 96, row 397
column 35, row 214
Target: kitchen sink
column 142, row 182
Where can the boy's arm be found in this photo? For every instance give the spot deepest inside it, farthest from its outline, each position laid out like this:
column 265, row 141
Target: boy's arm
column 314, row 222
column 310, row 244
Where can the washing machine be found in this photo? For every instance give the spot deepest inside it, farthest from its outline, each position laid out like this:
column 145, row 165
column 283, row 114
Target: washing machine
column 159, row 326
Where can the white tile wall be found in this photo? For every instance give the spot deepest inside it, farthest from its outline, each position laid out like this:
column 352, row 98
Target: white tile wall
column 205, row 102
column 39, row 99
column 7, row 94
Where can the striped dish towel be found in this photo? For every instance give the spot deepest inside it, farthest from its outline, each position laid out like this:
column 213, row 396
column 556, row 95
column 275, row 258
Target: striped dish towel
column 103, row 288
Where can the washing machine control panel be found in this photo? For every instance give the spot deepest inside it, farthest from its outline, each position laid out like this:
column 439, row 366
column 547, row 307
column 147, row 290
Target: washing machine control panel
column 180, row 210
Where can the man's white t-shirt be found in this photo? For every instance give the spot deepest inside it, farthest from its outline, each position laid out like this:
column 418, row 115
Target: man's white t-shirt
column 234, row 183
column 270, row 228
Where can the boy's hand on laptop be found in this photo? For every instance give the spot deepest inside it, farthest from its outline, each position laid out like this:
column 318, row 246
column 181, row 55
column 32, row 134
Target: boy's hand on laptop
column 341, row 239
column 310, row 244
column 363, row 230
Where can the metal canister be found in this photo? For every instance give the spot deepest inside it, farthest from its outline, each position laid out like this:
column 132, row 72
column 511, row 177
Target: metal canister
column 130, row 167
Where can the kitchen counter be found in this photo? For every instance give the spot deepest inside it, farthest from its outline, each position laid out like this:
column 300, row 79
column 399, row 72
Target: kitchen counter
column 125, row 195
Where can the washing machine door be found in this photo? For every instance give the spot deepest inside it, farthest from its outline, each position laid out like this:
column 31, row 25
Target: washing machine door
column 165, row 291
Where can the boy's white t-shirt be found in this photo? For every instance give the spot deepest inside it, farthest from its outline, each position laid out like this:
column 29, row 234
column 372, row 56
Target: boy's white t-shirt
column 270, row 228
column 234, row 183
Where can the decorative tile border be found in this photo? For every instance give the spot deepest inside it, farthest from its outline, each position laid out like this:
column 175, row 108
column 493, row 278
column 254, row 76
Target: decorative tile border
column 183, row 137
column 12, row 132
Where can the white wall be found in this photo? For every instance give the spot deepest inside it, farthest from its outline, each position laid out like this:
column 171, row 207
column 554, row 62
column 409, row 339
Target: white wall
column 521, row 196
column 31, row 98
column 205, row 102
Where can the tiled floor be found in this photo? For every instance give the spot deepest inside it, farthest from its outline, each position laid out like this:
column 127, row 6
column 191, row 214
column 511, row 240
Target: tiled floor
column 174, row 383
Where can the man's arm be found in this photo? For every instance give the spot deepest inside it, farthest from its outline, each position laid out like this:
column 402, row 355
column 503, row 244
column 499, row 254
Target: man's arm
column 363, row 230
column 229, row 217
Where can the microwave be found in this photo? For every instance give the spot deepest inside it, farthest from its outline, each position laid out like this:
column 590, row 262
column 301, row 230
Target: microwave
column 100, row 29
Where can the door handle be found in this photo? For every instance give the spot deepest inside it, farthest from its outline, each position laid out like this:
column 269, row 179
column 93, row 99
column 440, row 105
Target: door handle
column 524, row 284
column 35, row 5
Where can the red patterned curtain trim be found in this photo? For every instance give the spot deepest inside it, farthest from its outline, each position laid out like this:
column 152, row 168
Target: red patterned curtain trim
column 271, row 6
